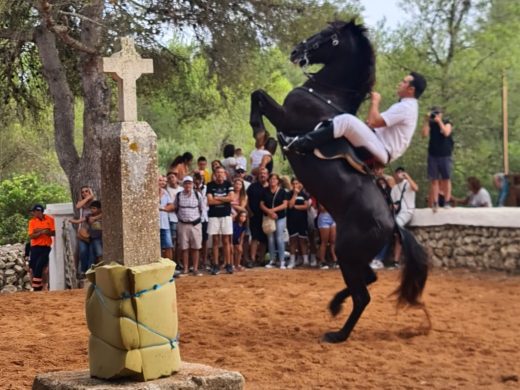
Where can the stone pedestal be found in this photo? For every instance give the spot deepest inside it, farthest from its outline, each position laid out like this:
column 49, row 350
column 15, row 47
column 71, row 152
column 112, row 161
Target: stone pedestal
column 130, row 194
column 192, row 376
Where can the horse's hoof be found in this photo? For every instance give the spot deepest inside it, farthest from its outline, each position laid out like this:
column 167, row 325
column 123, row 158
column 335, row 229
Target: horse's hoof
column 334, row 337
column 334, row 308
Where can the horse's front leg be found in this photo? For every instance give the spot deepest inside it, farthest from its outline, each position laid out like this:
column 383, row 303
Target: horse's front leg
column 264, row 105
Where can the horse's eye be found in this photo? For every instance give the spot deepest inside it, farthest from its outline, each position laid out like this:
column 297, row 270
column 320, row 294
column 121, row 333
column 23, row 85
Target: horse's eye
column 315, row 46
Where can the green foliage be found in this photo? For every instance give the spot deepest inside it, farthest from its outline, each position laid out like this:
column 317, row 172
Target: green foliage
column 17, row 195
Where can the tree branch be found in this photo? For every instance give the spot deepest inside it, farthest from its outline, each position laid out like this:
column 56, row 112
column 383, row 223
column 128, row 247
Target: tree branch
column 62, row 31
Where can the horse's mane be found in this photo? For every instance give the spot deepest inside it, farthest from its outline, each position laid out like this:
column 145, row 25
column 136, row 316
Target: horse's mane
column 360, row 32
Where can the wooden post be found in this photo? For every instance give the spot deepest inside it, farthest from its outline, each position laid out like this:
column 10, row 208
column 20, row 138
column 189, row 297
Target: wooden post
column 504, row 123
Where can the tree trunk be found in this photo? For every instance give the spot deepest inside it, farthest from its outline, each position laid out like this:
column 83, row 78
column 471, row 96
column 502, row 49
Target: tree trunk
column 84, row 170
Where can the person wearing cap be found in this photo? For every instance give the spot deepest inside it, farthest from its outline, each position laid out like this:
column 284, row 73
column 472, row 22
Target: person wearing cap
column 403, row 197
column 240, row 173
column 41, row 230
column 188, row 205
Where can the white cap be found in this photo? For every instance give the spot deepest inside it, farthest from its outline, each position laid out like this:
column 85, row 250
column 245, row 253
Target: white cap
column 187, row 179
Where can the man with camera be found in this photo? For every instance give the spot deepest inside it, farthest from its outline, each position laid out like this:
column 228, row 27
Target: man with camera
column 440, row 149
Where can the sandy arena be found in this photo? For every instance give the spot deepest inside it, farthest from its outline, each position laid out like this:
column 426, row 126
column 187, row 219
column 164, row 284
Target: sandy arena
column 267, row 325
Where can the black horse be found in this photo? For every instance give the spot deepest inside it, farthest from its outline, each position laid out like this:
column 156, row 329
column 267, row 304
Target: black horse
column 364, row 222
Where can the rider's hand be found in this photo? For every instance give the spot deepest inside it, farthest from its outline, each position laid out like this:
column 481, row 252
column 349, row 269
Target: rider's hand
column 375, row 97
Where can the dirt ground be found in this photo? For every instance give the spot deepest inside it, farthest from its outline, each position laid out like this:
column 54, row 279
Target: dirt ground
column 267, row 325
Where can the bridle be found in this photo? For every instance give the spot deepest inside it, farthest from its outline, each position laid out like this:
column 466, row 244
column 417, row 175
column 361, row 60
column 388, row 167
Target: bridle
column 334, row 39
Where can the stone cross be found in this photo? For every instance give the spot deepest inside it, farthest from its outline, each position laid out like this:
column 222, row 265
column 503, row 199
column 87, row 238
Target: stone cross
column 129, row 170
column 126, row 66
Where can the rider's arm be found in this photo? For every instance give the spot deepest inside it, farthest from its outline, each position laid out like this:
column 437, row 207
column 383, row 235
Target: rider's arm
column 374, row 118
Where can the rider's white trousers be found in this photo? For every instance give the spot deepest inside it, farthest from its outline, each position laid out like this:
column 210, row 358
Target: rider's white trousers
column 360, row 135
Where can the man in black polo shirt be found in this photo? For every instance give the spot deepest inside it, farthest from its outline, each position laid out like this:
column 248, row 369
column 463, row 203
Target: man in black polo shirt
column 220, row 195
column 254, row 196
column 440, row 149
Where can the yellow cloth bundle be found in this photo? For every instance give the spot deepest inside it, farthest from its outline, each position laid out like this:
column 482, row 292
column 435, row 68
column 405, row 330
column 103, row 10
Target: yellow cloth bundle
column 132, row 319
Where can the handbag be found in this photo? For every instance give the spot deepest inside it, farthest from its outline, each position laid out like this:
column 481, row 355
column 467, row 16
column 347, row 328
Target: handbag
column 269, row 224
column 83, row 234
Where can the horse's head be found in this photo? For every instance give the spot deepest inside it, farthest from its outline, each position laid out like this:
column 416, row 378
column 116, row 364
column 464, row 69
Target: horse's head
column 342, row 41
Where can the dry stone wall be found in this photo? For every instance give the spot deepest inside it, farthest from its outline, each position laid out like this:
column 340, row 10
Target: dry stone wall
column 480, row 238
column 13, row 275
column 471, row 246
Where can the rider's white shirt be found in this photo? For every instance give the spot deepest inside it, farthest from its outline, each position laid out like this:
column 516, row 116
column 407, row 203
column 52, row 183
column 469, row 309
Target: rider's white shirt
column 401, row 121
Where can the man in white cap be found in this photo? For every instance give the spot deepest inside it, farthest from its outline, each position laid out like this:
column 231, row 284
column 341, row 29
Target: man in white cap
column 188, row 205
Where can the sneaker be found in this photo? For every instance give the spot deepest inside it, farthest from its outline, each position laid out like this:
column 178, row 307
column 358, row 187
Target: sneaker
column 324, row 266
column 291, row 264
column 215, row 270
column 376, row 264
column 249, row 264
column 314, row 263
column 447, row 206
column 282, row 266
column 271, row 264
column 229, row 269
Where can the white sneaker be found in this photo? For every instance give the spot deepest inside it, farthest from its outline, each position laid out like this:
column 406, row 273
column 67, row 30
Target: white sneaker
column 283, row 267
column 376, row 264
column 291, row 264
column 271, row 264
column 314, row 263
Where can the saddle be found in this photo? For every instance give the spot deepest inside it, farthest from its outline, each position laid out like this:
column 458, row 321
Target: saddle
column 358, row 158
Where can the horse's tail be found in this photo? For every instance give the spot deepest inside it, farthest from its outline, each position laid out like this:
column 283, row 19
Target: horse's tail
column 414, row 270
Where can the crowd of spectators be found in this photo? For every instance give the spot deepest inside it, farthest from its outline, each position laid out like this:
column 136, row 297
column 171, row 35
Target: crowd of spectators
column 215, row 220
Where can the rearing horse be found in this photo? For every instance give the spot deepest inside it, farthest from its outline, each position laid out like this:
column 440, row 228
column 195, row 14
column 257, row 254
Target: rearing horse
column 364, row 221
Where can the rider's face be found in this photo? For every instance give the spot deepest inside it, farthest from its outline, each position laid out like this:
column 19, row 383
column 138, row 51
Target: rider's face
column 404, row 88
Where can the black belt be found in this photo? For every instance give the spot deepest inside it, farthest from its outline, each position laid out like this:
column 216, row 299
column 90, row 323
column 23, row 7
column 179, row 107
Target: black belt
column 194, row 223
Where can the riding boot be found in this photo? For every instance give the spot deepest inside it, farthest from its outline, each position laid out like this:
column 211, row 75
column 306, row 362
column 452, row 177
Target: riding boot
column 323, row 133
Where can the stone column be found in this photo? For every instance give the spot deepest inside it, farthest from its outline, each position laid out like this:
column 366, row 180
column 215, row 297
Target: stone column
column 130, row 194
column 129, row 170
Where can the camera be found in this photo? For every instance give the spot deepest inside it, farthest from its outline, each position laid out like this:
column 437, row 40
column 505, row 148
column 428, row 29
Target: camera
column 433, row 114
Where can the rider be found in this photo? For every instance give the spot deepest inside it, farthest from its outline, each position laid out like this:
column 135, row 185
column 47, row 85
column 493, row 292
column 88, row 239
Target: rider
column 392, row 130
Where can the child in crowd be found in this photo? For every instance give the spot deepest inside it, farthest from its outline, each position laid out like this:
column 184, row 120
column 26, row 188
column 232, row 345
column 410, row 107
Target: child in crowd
column 95, row 230
column 239, row 230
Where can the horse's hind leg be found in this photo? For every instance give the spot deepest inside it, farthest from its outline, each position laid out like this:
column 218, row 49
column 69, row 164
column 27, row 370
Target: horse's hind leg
column 336, row 302
column 356, row 281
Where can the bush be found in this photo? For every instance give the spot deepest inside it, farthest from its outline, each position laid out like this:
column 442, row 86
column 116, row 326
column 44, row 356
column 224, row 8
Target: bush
column 17, row 195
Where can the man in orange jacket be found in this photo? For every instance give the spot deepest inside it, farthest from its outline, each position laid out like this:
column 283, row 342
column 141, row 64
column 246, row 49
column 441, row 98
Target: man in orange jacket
column 41, row 231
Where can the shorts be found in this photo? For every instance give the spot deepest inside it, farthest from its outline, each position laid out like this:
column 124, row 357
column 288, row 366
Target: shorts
column 166, row 239
column 220, row 226
column 325, row 221
column 255, row 226
column 297, row 228
column 189, row 236
column 439, row 168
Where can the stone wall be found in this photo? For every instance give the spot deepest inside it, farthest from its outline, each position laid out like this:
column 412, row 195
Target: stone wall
column 480, row 238
column 13, row 276
column 474, row 247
